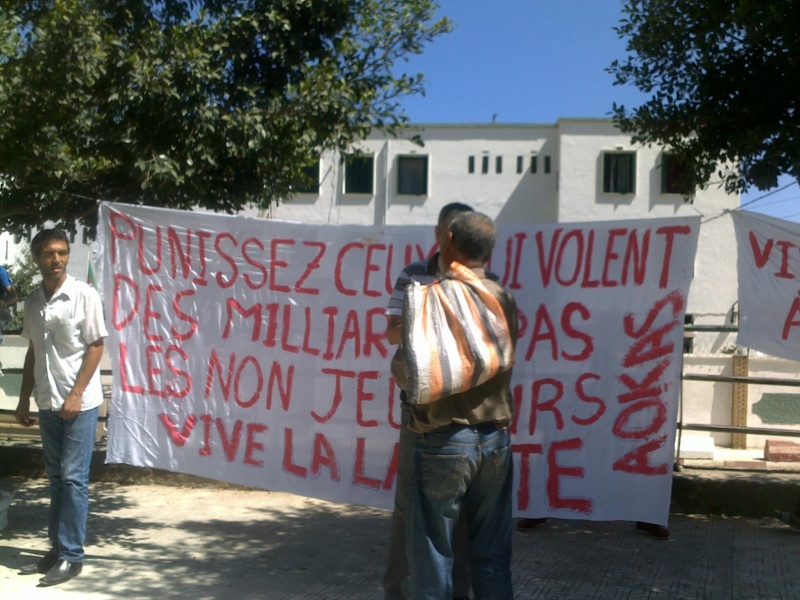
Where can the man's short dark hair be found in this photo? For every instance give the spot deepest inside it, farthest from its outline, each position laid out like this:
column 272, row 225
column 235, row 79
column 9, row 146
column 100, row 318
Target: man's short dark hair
column 451, row 210
column 45, row 236
column 474, row 235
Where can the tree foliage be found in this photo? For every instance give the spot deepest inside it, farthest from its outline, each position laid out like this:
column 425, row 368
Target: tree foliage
column 722, row 79
column 182, row 103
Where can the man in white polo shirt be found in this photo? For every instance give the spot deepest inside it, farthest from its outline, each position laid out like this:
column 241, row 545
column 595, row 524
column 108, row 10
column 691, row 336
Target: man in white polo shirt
column 64, row 325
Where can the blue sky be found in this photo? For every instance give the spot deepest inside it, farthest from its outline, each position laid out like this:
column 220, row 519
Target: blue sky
column 533, row 61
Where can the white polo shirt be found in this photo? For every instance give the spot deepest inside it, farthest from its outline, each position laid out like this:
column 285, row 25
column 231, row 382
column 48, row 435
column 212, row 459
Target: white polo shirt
column 61, row 330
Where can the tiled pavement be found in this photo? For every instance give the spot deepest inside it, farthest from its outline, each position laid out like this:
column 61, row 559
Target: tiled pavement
column 706, row 558
column 157, row 541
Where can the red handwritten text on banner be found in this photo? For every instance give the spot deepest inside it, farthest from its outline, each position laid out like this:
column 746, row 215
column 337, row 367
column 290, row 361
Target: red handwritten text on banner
column 252, row 351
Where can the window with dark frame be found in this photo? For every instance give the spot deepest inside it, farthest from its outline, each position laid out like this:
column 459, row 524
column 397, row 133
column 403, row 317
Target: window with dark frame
column 498, row 164
column 485, row 165
column 534, row 163
column 520, row 164
column 675, row 175
column 619, row 172
column 359, row 174
column 310, row 180
column 546, row 164
column 471, row 164
column 412, row 175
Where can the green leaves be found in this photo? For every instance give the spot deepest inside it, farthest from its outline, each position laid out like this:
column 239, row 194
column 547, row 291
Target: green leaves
column 187, row 102
column 722, row 76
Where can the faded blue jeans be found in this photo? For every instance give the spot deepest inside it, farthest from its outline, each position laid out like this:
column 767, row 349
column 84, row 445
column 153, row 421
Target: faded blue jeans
column 395, row 577
column 68, row 449
column 469, row 469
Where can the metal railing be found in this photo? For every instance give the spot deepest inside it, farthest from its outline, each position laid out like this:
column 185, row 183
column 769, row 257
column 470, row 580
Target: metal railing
column 731, row 379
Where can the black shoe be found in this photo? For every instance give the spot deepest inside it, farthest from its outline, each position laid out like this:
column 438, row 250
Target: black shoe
column 62, row 571
column 524, row 525
column 657, row 531
column 43, row 565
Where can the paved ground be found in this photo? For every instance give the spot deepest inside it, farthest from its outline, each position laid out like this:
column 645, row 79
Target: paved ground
column 151, row 540
column 156, row 541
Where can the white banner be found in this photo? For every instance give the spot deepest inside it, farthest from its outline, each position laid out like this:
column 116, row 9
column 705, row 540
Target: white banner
column 769, row 291
column 252, row 351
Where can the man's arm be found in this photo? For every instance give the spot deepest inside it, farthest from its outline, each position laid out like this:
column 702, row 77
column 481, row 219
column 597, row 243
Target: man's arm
column 91, row 360
column 394, row 319
column 23, row 412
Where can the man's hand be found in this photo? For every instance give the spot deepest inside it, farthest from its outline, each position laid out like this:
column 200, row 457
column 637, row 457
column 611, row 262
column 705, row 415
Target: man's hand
column 72, row 406
column 23, row 414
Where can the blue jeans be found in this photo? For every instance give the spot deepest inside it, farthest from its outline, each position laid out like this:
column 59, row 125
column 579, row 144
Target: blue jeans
column 68, row 449
column 395, row 576
column 460, row 469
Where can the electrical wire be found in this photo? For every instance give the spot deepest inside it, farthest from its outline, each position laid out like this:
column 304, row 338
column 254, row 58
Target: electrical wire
column 767, row 195
column 728, row 211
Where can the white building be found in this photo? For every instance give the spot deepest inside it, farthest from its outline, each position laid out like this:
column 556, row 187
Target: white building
column 573, row 170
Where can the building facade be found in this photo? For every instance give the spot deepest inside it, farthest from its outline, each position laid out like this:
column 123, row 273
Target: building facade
column 575, row 170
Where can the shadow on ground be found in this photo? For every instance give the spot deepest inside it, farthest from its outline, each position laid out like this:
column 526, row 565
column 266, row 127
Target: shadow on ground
column 198, row 543
column 200, row 540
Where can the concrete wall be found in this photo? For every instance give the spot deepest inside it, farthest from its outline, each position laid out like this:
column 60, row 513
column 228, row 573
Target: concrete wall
column 508, row 196
column 776, row 407
column 769, row 406
column 707, row 402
